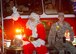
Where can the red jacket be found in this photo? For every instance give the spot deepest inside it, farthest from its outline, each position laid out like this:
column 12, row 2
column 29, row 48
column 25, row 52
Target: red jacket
column 40, row 30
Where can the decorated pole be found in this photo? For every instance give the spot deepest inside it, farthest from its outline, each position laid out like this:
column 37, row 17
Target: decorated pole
column 74, row 6
column 2, row 28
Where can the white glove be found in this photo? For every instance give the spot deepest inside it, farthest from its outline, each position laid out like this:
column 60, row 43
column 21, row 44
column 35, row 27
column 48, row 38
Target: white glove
column 38, row 42
column 35, row 43
column 25, row 43
column 42, row 42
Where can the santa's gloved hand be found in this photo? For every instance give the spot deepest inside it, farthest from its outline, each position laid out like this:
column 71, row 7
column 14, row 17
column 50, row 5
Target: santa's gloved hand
column 25, row 43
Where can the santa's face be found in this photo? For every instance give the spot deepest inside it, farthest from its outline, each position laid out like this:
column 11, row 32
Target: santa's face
column 32, row 19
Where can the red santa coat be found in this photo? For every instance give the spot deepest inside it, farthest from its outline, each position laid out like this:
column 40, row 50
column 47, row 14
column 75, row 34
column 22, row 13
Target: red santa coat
column 28, row 49
column 40, row 30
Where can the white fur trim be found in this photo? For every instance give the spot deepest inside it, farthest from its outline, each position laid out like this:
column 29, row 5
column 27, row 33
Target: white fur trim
column 35, row 43
column 42, row 42
column 25, row 43
column 32, row 26
column 47, row 53
column 34, row 33
column 15, row 14
column 38, row 43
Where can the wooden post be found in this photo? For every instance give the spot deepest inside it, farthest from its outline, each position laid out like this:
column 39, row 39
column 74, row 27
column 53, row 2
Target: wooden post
column 2, row 28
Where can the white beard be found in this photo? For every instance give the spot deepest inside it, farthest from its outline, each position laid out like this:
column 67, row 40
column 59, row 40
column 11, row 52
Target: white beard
column 32, row 26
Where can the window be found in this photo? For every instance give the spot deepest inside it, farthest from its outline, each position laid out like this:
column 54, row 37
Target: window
column 25, row 7
column 30, row 6
column 49, row 7
column 54, row 6
column 66, row 6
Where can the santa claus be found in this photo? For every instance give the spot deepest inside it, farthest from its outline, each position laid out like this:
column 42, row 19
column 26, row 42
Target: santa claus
column 35, row 36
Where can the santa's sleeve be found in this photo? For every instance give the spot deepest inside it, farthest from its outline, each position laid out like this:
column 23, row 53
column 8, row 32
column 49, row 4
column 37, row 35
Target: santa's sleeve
column 41, row 36
column 41, row 31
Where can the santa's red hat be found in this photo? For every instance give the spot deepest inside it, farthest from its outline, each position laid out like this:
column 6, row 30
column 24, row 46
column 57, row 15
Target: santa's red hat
column 34, row 16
